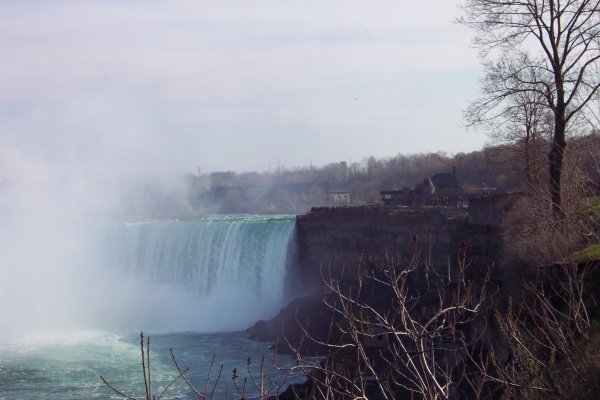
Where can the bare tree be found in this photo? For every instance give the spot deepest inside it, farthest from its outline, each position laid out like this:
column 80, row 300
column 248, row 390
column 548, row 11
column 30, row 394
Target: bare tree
column 253, row 381
column 418, row 332
column 147, row 374
column 554, row 353
column 519, row 125
column 415, row 344
column 560, row 42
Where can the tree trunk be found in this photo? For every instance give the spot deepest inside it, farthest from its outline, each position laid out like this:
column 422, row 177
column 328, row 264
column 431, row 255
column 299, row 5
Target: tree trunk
column 527, row 155
column 555, row 158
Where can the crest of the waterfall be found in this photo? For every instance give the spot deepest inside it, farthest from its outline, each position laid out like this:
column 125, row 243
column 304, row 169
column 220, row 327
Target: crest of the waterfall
column 217, row 274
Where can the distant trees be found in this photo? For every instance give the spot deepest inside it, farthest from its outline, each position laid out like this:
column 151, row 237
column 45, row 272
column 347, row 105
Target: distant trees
column 519, row 124
column 550, row 53
column 297, row 190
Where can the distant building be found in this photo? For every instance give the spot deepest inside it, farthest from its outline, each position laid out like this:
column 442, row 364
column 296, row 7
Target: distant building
column 337, row 194
column 426, row 188
column 440, row 189
column 397, row 197
column 338, row 197
column 222, row 179
column 444, row 180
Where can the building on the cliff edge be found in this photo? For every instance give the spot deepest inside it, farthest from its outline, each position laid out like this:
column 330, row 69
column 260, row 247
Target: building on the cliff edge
column 338, row 197
column 440, row 189
column 337, row 194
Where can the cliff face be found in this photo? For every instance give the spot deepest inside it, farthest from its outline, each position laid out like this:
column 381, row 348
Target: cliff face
column 333, row 240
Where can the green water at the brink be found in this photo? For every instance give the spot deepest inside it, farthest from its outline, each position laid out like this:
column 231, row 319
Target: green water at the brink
column 195, row 278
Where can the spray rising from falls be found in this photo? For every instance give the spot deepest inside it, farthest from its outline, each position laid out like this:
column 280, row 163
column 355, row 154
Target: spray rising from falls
column 210, row 275
column 205, row 276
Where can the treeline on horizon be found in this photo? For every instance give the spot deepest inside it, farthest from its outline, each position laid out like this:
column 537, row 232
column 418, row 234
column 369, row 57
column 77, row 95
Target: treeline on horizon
column 296, row 190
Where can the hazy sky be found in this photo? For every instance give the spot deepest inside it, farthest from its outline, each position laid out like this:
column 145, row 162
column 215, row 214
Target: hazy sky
column 242, row 85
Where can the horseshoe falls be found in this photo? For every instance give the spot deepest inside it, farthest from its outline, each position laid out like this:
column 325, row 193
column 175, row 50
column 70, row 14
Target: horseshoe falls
column 190, row 285
column 213, row 275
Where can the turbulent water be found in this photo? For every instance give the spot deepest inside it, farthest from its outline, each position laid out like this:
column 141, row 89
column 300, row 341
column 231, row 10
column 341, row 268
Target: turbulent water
column 70, row 367
column 185, row 283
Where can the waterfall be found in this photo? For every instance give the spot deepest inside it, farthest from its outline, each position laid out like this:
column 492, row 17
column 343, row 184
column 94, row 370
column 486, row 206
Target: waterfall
column 208, row 275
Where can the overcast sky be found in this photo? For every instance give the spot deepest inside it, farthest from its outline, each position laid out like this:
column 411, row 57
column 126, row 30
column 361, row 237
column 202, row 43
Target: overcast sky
column 232, row 85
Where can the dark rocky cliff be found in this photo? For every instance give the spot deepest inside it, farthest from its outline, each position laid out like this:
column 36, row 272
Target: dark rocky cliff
column 333, row 242
column 335, row 239
column 339, row 240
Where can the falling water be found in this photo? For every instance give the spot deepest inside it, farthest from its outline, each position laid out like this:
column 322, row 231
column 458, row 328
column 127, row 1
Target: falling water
column 211, row 275
column 249, row 255
column 183, row 282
